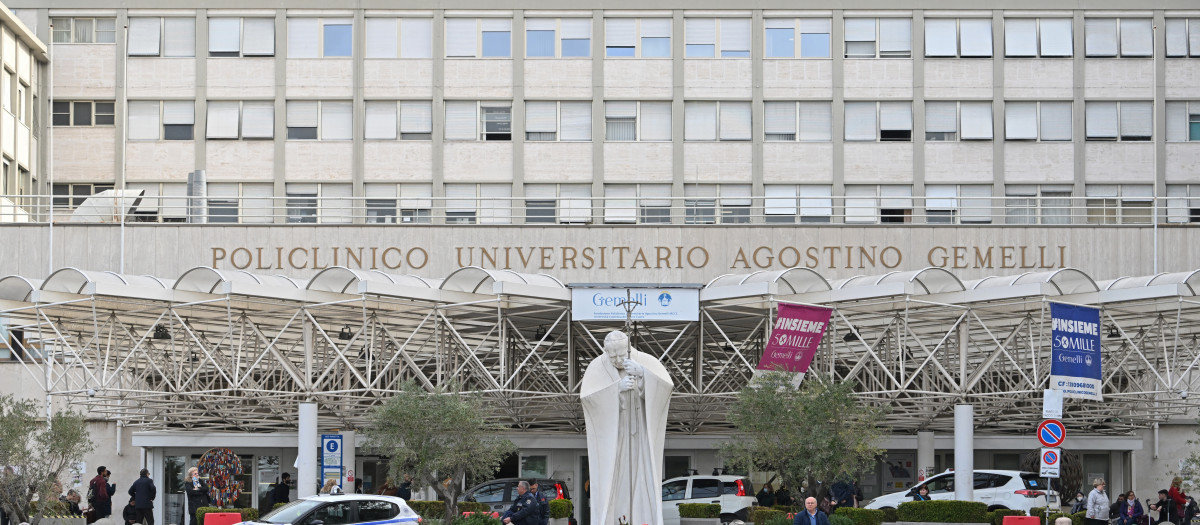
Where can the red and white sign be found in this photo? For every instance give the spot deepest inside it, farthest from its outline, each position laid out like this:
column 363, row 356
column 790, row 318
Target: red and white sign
column 794, row 338
column 1051, row 433
column 350, row 475
column 1051, row 460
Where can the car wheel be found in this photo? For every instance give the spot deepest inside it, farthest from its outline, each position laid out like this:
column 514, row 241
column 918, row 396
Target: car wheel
column 997, row 507
column 727, row 518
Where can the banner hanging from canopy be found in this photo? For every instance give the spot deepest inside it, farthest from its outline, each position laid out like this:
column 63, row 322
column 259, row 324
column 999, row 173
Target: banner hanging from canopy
column 795, row 336
column 1075, row 351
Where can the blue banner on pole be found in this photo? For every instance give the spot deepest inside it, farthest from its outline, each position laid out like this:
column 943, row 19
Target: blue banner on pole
column 1075, row 351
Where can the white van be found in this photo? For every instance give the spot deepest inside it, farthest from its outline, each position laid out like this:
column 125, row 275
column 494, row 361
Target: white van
column 734, row 493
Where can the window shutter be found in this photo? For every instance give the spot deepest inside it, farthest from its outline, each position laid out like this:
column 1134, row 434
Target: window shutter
column 1101, row 37
column 460, row 198
column 540, row 24
column 381, row 37
column 258, row 120
column 941, row 196
column 143, row 36
column 461, row 120
column 303, row 38
column 380, row 121
column 815, row 25
column 780, row 117
column 700, row 31
column 575, row 203
column 1136, row 118
column 895, row 115
column 180, row 38
column 735, row 194
column 619, row 32
column 656, row 121
column 302, row 114
column 1056, row 37
column 576, row 120
column 416, row 196
column 895, row 35
column 1101, row 190
column 941, row 117
column 496, row 24
column 1056, row 121
column 1194, row 36
column 336, row 205
column 460, row 37
column 735, row 34
column 700, row 121
column 143, row 120
column 179, row 112
column 1101, row 120
column 258, row 37
column 1177, row 37
column 416, row 116
column 976, row 203
column 620, row 109
column 257, row 202
column 976, row 36
column 541, row 191
column 816, row 201
column 222, row 190
column 1020, row 37
column 735, row 121
column 700, row 191
column 780, row 199
column 1177, row 122
column 861, row 204
column 379, row 191
column 941, row 37
column 1020, row 121
column 336, row 120
column 860, row 121
column 654, row 195
column 301, row 189
column 860, row 29
column 224, row 35
column 174, row 202
column 816, row 122
column 620, row 203
column 541, row 117
column 495, row 204
column 976, row 118
column 416, row 38
column 222, row 120
column 656, row 28
column 780, row 23
column 576, row 28
column 1136, row 37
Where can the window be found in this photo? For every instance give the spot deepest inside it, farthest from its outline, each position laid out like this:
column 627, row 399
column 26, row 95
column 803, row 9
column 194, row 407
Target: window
column 561, row 121
column 952, row 121
column 621, row 37
column 879, row 121
column 471, row 120
column 884, row 204
column 72, row 195
column 1123, row 121
column 1045, row 121
column 1183, row 37
column 637, row 203
column 1183, row 121
column 319, row 37
column 478, row 37
column 1125, row 37
column 319, row 203
column 706, row 488
column 165, row 120
column 1033, row 204
column 82, row 113
column 784, row 202
column 965, row 37
column 726, row 121
column 637, row 121
column 958, row 204
column 815, row 121
column 399, row 38
column 161, row 202
column 327, row 119
column 243, row 203
column 478, row 204
column 1183, row 203
column 406, row 120
column 563, row 203
column 234, row 120
column 1119, row 203
column 704, row 203
column 781, row 42
column 22, row 106
column 893, row 36
column 373, row 510
column 1038, row 37
column 167, row 37
column 558, row 37
column 84, row 30
column 704, row 36
column 330, row 514
column 241, row 37
column 675, row 490
column 412, row 206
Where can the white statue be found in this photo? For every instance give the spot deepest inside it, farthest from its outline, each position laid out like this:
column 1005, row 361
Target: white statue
column 625, row 396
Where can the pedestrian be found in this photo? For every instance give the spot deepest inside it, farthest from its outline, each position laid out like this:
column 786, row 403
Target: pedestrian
column 1179, row 498
column 543, row 505
column 1164, row 507
column 1190, row 510
column 1114, row 510
column 130, row 514
column 1097, row 504
column 1079, row 504
column 358, row 486
column 98, row 495
column 405, row 490
column 1131, row 511
column 766, row 496
column 922, row 494
column 783, row 496
column 282, row 490
column 144, row 492
column 811, row 515
column 197, row 494
column 328, row 487
column 525, row 510
column 72, row 500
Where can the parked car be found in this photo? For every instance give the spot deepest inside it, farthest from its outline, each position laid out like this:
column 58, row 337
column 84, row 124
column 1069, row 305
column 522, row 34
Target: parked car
column 342, row 509
column 1000, row 489
column 500, row 494
column 734, row 493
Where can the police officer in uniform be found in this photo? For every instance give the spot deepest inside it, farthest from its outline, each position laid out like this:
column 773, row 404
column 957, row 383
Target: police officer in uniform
column 543, row 503
column 524, row 511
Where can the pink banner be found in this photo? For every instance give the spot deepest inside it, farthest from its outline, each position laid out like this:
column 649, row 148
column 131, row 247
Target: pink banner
column 794, row 338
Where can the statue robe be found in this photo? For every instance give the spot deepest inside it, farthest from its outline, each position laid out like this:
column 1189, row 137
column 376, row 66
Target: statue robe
column 626, row 432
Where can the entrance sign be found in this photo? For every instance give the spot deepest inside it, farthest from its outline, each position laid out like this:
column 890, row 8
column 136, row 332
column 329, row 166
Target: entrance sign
column 794, row 337
column 1051, row 433
column 331, row 451
column 655, row 304
column 1052, row 401
column 1051, row 460
column 1075, row 351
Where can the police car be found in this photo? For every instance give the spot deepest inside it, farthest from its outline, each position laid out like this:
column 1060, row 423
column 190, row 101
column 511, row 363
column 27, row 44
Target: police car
column 343, row 509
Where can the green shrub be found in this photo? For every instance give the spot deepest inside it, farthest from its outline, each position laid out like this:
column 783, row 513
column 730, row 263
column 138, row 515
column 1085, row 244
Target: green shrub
column 943, row 511
column 699, row 510
column 996, row 517
column 53, row 507
column 469, row 506
column 432, row 522
column 427, row 509
column 786, row 508
column 861, row 516
column 780, row 520
column 890, row 516
column 561, row 508
column 761, row 515
column 477, row 519
column 840, row 519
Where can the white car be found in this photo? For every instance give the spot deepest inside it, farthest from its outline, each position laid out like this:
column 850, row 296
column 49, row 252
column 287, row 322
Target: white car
column 735, row 494
column 343, row 509
column 1000, row 489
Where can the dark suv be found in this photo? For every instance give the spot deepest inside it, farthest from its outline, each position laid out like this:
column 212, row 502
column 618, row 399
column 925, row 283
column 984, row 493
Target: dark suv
column 500, row 494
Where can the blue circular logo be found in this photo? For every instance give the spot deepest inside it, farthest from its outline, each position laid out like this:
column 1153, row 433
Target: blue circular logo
column 331, row 446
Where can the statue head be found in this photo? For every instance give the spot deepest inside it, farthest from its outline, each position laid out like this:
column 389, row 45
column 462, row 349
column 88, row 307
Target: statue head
column 616, row 347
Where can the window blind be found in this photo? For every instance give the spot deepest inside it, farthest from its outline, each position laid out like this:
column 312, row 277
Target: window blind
column 576, row 27
column 656, row 28
column 258, row 120
column 222, row 190
column 895, row 35
column 895, row 115
column 780, row 117
column 222, row 120
column 575, row 203
column 461, row 118
column 1020, row 121
column 1101, row 120
column 540, row 24
column 460, row 198
column 975, row 203
column 303, row 38
column 860, row 121
column 1137, row 37
column 336, row 120
column 780, row 23
column 174, row 200
column 379, row 191
column 816, row 201
column 976, row 120
column 494, row 204
column 381, row 37
column 941, row 117
column 700, row 121
column 860, row 29
column 860, row 204
column 735, row 34
column 654, row 194
column 258, row 37
column 620, row 108
column 1101, row 37
column 941, row 37
column 941, row 196
column 416, row 116
column 976, row 37
column 302, row 114
column 416, row 196
column 735, row 194
column 895, row 196
column 816, row 122
column 1020, row 37
column 179, row 112
column 1177, row 37
column 1136, row 118
column 143, row 120
column 576, row 121
column 416, row 38
column 380, row 121
column 656, row 121
column 735, row 121
column 336, row 204
column 620, row 203
column 815, row 25
column 1177, row 122
column 461, row 36
column 700, row 191
column 224, row 35
column 180, row 40
column 541, row 117
column 620, row 32
column 780, row 199
column 143, row 36
column 1056, row 121
column 1056, row 37
column 700, row 31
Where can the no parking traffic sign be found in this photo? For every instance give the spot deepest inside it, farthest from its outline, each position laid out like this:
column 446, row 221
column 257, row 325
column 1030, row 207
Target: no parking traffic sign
column 1051, row 433
column 1051, row 459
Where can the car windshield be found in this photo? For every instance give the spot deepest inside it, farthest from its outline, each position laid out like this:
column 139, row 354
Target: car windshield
column 290, row 513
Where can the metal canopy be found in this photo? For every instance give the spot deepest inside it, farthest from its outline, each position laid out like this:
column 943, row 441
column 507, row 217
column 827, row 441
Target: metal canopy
column 232, row 350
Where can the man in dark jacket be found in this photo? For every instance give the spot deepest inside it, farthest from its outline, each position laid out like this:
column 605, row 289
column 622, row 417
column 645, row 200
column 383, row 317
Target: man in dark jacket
column 130, row 514
column 543, row 504
column 281, row 491
column 144, row 492
column 98, row 496
column 811, row 515
column 524, row 511
column 405, row 490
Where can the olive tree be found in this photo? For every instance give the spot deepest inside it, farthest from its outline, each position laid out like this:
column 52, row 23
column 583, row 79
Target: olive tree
column 810, row 434
column 440, row 437
column 35, row 453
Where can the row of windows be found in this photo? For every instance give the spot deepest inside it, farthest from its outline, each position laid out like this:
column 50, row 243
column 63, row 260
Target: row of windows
column 633, row 37
column 648, row 121
column 653, row 203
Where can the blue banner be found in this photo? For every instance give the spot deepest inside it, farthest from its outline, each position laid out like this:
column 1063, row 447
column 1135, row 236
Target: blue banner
column 1075, row 351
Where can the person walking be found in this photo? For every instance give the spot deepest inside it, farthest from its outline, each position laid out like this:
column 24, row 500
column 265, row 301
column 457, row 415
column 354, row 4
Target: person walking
column 1179, row 498
column 98, row 495
column 811, row 514
column 1131, row 511
column 197, row 494
column 144, row 492
column 1097, row 504
column 282, row 490
column 543, row 505
column 525, row 510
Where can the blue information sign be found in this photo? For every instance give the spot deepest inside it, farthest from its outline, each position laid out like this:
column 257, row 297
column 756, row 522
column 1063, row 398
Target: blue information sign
column 1075, row 351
